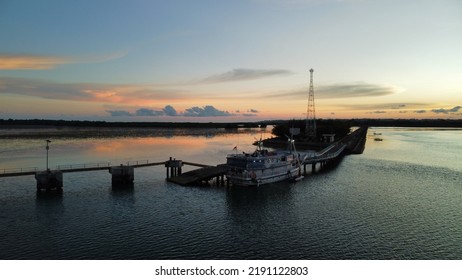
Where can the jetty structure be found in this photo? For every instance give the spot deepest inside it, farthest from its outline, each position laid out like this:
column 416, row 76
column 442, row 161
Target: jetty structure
column 124, row 175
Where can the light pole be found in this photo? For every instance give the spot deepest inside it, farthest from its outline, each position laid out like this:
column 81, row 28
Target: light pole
column 48, row 147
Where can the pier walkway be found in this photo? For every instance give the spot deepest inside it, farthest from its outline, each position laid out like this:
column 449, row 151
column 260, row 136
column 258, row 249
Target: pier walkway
column 68, row 168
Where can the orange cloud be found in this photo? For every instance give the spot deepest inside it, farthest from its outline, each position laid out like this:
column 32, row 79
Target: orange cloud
column 117, row 94
column 42, row 62
column 30, row 62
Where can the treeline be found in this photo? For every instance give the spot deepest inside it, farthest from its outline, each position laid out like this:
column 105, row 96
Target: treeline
column 325, row 125
column 341, row 127
column 408, row 122
column 338, row 127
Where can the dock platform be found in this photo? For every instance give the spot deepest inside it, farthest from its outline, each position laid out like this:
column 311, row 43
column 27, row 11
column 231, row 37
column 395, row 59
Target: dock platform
column 201, row 175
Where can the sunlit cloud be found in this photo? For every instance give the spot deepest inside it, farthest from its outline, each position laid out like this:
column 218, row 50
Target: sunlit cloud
column 30, row 62
column 244, row 75
column 351, row 90
column 377, row 112
column 43, row 62
column 91, row 92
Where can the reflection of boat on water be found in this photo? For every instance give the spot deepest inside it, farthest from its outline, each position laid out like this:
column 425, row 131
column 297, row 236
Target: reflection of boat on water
column 377, row 136
column 263, row 166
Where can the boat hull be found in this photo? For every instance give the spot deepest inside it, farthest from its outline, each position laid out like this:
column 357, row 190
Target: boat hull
column 261, row 177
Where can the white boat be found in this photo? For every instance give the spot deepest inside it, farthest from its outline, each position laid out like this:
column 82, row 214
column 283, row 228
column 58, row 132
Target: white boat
column 263, row 166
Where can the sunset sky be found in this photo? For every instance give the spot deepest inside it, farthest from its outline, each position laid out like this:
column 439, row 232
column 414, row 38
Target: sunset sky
column 245, row 60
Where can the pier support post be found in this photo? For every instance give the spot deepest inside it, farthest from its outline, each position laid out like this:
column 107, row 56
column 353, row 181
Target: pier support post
column 173, row 167
column 50, row 180
column 313, row 167
column 122, row 175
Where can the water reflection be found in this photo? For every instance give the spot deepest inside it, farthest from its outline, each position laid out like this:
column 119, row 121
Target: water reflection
column 119, row 146
column 123, row 190
column 48, row 227
column 123, row 204
column 241, row 200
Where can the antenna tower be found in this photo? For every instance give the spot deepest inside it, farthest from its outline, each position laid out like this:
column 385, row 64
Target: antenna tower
column 310, row 129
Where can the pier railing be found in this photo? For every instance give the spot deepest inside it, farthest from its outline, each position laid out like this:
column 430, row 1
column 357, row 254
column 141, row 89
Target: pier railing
column 20, row 170
column 82, row 166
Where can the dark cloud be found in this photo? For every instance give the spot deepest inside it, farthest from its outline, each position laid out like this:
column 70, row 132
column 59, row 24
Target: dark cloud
column 43, row 89
column 170, row 111
column 358, row 89
column 244, row 74
column 206, row 111
column 447, row 111
column 143, row 112
column 420, row 111
column 378, row 112
column 354, row 90
column 119, row 113
column 383, row 106
column 251, row 113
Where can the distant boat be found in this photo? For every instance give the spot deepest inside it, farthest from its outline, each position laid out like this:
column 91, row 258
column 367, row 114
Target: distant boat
column 263, row 166
column 378, row 139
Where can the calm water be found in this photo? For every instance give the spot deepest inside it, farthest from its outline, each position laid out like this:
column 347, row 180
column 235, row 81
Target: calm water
column 401, row 199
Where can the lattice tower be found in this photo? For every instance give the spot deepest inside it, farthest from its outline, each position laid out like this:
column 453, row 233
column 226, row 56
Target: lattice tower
column 310, row 129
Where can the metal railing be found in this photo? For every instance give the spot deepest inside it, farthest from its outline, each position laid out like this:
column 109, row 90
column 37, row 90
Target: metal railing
column 137, row 162
column 83, row 165
column 19, row 170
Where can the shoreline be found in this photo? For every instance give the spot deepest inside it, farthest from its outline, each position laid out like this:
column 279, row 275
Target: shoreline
column 41, row 123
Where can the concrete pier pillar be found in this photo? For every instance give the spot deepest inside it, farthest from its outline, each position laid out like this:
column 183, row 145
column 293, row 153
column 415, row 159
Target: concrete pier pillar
column 50, row 180
column 313, row 168
column 122, row 175
column 173, row 167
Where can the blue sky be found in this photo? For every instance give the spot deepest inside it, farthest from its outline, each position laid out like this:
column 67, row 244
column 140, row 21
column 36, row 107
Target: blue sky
column 230, row 60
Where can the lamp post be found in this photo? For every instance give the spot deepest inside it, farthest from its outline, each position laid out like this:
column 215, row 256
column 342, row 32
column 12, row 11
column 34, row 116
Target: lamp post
column 48, row 147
